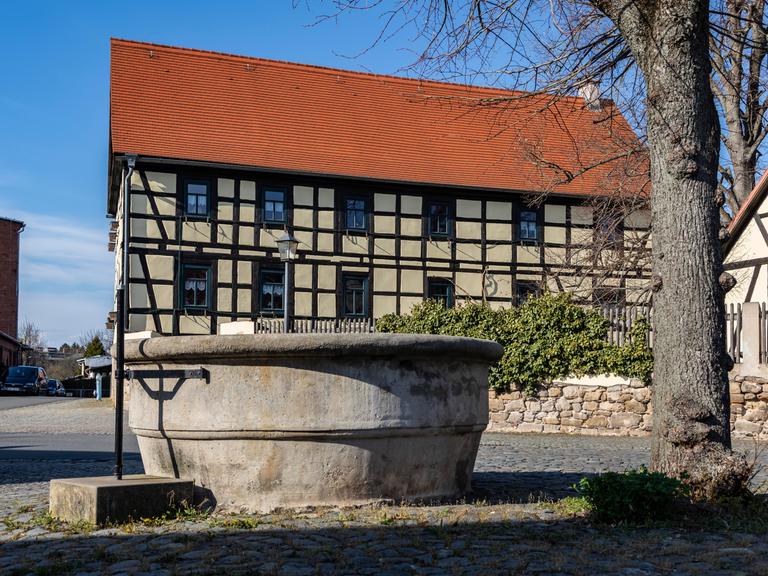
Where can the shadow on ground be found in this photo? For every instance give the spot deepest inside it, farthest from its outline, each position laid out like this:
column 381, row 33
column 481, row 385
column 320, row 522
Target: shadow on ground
column 21, row 466
column 24, row 466
column 505, row 526
column 23, row 453
column 505, row 487
column 391, row 541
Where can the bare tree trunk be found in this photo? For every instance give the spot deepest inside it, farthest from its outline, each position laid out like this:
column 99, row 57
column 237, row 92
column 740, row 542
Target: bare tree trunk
column 691, row 434
column 744, row 169
column 738, row 50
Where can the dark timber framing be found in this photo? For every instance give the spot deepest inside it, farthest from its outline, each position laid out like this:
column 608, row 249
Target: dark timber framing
column 395, row 243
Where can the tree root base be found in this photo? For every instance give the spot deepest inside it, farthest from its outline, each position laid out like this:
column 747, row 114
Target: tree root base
column 711, row 470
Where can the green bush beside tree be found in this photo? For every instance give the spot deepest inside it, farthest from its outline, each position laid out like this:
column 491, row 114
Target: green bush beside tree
column 546, row 338
column 634, row 496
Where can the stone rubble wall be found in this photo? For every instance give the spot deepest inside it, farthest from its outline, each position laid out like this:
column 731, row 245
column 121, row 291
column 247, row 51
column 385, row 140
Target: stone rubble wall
column 622, row 409
column 749, row 405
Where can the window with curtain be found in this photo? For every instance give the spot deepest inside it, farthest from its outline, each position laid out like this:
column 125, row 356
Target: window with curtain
column 272, row 288
column 197, row 199
column 529, row 229
column 356, row 214
column 439, row 219
column 196, row 286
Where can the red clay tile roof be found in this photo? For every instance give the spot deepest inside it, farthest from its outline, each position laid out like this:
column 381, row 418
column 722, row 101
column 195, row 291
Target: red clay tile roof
column 195, row 105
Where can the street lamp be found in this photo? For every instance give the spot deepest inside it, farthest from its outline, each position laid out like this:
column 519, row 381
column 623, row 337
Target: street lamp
column 287, row 246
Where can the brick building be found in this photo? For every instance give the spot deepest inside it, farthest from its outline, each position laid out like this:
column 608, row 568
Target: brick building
column 10, row 348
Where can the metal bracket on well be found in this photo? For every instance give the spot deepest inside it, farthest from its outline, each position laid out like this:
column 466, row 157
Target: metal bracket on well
column 194, row 374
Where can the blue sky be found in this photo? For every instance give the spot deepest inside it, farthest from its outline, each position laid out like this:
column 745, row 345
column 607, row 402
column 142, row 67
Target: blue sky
column 54, row 116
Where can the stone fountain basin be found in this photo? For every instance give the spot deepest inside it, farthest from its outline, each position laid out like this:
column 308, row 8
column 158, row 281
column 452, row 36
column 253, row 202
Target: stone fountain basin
column 294, row 420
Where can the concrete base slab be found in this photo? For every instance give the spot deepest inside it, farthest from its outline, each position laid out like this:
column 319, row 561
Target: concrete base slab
column 104, row 499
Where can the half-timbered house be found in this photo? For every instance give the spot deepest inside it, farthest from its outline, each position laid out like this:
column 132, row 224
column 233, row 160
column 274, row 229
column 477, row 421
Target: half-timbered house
column 397, row 189
column 745, row 252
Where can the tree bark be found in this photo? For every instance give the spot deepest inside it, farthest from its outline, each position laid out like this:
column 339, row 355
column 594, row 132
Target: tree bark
column 691, row 436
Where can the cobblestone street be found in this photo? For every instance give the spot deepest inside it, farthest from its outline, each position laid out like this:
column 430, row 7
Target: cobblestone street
column 507, row 526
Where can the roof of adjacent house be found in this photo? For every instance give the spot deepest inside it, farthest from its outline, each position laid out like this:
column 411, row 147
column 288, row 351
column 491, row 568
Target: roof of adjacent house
column 95, row 362
column 746, row 211
column 179, row 103
column 9, row 338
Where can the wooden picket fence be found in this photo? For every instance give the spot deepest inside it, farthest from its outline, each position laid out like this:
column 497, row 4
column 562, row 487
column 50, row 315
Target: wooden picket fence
column 317, row 326
column 735, row 320
column 763, row 334
column 733, row 324
column 621, row 319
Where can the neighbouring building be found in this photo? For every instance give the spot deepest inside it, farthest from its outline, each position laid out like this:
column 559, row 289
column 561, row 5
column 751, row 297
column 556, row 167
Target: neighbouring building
column 10, row 347
column 745, row 252
column 397, row 189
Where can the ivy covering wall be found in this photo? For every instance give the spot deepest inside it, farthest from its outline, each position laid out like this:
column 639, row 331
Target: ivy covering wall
column 547, row 338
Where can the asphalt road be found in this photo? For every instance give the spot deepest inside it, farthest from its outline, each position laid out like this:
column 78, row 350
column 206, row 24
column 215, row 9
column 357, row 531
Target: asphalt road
column 33, row 446
column 58, row 446
column 10, row 401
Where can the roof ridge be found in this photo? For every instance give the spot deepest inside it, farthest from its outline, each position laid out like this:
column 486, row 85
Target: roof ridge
column 354, row 73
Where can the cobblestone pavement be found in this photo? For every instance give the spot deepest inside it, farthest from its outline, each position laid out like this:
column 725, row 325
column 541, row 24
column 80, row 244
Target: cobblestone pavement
column 508, row 526
column 546, row 465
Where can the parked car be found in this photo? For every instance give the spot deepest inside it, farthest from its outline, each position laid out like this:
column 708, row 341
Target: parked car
column 26, row 379
column 55, row 388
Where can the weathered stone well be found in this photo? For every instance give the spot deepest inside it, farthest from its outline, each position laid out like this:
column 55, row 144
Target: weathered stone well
column 318, row 419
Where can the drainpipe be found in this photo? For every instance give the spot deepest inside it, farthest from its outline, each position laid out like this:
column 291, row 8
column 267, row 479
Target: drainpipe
column 122, row 321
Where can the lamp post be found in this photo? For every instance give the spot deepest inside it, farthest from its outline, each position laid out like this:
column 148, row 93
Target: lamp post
column 287, row 246
column 122, row 318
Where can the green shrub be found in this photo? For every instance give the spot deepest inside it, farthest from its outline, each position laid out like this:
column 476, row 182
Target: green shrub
column 546, row 338
column 635, row 358
column 632, row 497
